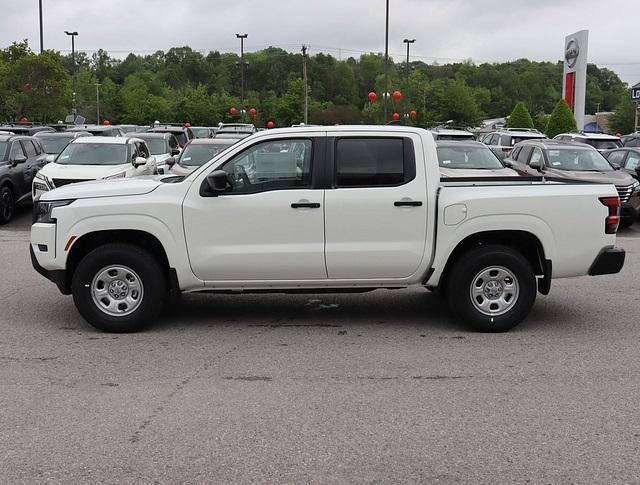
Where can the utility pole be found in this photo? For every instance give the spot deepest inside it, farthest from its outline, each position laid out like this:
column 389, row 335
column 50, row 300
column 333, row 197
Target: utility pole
column 41, row 36
column 242, row 37
column 408, row 42
column 306, row 85
column 98, row 102
column 73, row 72
column 385, row 97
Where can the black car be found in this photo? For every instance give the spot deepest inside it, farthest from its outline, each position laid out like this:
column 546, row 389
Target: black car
column 182, row 133
column 202, row 132
column 98, row 130
column 632, row 140
column 20, row 159
column 26, row 130
column 628, row 159
column 54, row 143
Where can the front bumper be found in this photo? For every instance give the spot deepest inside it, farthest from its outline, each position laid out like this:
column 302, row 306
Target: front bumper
column 59, row 277
column 609, row 261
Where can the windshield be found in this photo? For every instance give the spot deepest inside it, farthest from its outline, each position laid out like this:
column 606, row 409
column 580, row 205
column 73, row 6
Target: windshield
column 157, row 146
column 604, row 144
column 201, row 132
column 93, row 154
column 468, row 157
column 578, row 160
column 455, row 137
column 197, row 155
column 54, row 145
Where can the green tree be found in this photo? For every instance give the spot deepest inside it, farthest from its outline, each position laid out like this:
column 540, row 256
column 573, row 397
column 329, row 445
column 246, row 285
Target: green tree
column 624, row 118
column 520, row 117
column 561, row 120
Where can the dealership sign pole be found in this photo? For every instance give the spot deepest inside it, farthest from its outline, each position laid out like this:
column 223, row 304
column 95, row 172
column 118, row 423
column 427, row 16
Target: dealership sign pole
column 574, row 84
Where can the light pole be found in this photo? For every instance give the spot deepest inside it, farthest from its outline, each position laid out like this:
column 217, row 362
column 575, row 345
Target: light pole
column 41, row 36
column 242, row 37
column 385, row 97
column 408, row 42
column 73, row 72
column 98, row 103
column 306, row 86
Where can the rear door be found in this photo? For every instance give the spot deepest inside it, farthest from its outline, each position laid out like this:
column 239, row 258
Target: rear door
column 376, row 212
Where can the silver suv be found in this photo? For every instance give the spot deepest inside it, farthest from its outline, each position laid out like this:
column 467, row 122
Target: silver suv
column 599, row 141
column 502, row 142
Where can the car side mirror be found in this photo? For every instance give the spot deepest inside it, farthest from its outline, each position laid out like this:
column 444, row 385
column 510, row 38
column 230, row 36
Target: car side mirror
column 139, row 161
column 215, row 183
column 174, row 152
column 536, row 165
column 507, row 163
column 638, row 172
column 49, row 158
column 616, row 166
column 170, row 161
column 19, row 159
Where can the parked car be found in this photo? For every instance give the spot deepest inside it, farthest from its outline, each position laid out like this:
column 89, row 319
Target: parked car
column 502, row 142
column 202, row 132
column 26, row 129
column 627, row 159
column 182, row 133
column 599, row 141
column 54, row 142
column 470, row 159
column 20, row 159
column 93, row 158
column 128, row 129
column 235, row 131
column 340, row 209
column 163, row 146
column 451, row 134
column 98, row 130
column 198, row 152
column 576, row 161
column 631, row 140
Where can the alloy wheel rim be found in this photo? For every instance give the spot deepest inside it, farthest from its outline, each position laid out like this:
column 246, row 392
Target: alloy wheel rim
column 117, row 290
column 494, row 291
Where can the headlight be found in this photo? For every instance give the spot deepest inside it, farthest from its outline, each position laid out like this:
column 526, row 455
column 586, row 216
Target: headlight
column 636, row 188
column 42, row 210
column 44, row 180
column 116, row 176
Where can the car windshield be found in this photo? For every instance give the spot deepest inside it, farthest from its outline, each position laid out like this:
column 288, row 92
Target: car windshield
column 53, row 145
column 157, row 146
column 201, row 132
column 93, row 154
column 196, row 155
column 468, row 157
column 578, row 160
column 605, row 144
column 455, row 137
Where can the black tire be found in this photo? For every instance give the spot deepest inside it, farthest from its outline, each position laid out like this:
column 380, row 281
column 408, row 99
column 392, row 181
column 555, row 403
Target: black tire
column 465, row 273
column 143, row 265
column 626, row 222
column 7, row 204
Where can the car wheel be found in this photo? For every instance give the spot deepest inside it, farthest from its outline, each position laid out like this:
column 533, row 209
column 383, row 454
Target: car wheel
column 626, row 222
column 491, row 288
column 7, row 204
column 119, row 288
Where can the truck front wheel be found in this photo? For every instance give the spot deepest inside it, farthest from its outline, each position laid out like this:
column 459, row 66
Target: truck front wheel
column 491, row 288
column 119, row 288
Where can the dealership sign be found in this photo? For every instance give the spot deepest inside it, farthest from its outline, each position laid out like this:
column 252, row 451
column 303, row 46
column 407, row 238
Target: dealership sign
column 635, row 93
column 574, row 86
column 571, row 53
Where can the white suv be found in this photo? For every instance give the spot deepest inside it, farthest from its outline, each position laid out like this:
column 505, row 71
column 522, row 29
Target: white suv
column 93, row 158
column 599, row 141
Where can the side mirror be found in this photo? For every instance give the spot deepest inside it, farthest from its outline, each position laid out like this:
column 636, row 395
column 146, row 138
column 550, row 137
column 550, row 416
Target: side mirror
column 507, row 163
column 215, row 183
column 175, row 151
column 49, row 158
column 616, row 166
column 19, row 159
column 170, row 161
column 638, row 172
column 139, row 161
column 535, row 164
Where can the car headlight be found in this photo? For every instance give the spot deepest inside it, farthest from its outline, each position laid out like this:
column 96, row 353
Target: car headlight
column 636, row 188
column 116, row 176
column 44, row 181
column 42, row 210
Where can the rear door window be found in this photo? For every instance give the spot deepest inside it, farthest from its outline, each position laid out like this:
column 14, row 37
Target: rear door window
column 373, row 162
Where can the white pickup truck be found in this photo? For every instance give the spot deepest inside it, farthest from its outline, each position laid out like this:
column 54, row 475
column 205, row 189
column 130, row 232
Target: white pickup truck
column 322, row 209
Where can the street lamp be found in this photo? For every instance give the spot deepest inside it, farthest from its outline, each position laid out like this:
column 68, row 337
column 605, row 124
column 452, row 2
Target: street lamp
column 408, row 42
column 73, row 71
column 41, row 36
column 386, row 63
column 242, row 37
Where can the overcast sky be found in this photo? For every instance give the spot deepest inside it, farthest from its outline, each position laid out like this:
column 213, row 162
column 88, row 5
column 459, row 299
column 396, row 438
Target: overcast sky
column 446, row 30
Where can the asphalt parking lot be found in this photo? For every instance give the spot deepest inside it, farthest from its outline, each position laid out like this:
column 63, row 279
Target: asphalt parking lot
column 380, row 387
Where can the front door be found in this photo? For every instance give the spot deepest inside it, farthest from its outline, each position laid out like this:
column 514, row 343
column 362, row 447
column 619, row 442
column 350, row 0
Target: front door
column 269, row 224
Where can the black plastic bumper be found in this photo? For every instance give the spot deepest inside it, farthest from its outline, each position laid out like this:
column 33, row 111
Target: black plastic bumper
column 609, row 261
column 59, row 277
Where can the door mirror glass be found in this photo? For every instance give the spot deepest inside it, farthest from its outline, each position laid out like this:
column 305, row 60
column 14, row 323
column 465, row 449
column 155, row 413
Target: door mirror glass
column 139, row 161
column 536, row 165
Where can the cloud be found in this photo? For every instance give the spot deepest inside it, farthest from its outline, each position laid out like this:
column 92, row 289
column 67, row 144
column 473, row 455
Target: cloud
column 488, row 31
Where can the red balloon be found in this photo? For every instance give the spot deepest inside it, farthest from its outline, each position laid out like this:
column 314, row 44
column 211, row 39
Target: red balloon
column 413, row 113
column 187, row 125
column 24, row 120
column 396, row 116
column 372, row 96
column 253, row 111
column 397, row 95
column 619, row 135
column 233, row 111
column 270, row 124
column 106, row 122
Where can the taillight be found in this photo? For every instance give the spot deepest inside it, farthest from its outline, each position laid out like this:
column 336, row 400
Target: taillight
column 612, row 221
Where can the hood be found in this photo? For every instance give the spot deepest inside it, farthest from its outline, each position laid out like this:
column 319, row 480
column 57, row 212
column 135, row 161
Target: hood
column 185, row 170
column 82, row 172
column 105, row 188
column 471, row 172
column 617, row 177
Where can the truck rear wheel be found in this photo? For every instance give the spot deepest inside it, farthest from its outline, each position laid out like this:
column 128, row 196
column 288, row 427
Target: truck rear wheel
column 119, row 288
column 491, row 288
